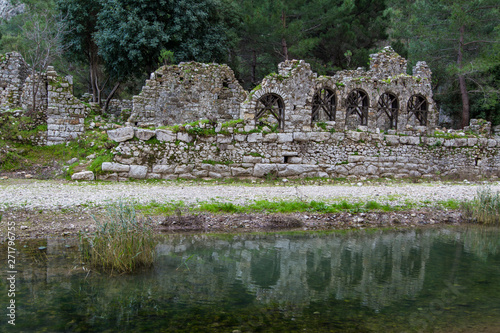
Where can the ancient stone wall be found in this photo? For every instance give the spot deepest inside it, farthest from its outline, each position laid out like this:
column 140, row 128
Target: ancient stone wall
column 13, row 73
column 385, row 97
column 65, row 113
column 187, row 92
column 235, row 153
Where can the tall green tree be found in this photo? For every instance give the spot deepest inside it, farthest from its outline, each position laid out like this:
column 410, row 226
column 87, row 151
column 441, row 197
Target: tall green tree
column 331, row 35
column 457, row 39
column 126, row 37
column 80, row 19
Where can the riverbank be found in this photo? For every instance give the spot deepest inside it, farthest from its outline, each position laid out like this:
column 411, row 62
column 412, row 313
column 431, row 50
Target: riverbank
column 60, row 208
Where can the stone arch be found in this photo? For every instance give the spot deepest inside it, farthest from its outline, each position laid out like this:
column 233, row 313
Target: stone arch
column 324, row 105
column 357, row 104
column 270, row 111
column 418, row 107
column 387, row 111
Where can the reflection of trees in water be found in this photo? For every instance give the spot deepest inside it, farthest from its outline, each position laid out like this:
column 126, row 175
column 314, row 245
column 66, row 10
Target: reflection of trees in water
column 482, row 242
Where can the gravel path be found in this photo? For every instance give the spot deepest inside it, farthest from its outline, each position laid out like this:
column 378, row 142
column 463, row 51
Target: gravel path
column 57, row 195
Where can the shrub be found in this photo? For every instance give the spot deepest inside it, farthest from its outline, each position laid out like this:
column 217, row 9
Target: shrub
column 122, row 243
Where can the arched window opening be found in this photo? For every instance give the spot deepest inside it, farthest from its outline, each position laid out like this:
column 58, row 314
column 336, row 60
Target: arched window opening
column 417, row 106
column 324, row 106
column 388, row 110
column 357, row 107
column 270, row 112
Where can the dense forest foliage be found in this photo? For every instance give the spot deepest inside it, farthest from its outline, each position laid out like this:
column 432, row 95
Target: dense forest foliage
column 111, row 46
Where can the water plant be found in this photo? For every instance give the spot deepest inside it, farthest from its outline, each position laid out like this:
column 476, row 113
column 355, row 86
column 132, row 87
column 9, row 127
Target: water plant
column 121, row 243
column 484, row 207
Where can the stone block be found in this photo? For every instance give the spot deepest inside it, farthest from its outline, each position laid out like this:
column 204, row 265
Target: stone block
column 471, row 142
column 163, row 168
column 241, row 172
column 181, row 169
column 260, row 169
column 166, row 135
column 115, row 167
column 138, row 171
column 187, row 176
column 285, row 137
column 254, row 137
column 216, row 175
column 449, row 143
column 300, row 136
column 372, row 170
column 186, row 137
column 252, row 159
column 121, row 134
column 240, row 137
column 224, row 138
column 295, row 160
column 112, row 177
column 144, row 134
column 271, row 137
column 200, row 173
column 153, row 176
column 297, row 170
column 358, row 170
column 83, row 175
column 392, row 140
column 355, row 159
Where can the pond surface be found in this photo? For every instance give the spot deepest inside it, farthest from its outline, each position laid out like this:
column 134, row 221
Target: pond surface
column 384, row 281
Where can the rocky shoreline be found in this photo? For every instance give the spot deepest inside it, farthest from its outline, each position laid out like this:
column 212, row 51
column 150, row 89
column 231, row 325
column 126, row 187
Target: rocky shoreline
column 54, row 208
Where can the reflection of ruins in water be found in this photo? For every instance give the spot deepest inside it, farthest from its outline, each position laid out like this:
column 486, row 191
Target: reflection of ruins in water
column 375, row 269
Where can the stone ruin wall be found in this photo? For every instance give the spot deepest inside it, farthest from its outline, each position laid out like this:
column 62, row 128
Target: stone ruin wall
column 63, row 113
column 296, row 85
column 283, row 138
column 13, row 73
column 187, row 92
column 240, row 154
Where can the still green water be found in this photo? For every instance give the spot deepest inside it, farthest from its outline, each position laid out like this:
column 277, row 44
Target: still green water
column 384, row 281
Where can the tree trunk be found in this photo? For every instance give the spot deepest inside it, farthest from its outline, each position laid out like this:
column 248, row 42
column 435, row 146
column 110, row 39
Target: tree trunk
column 254, row 66
column 110, row 96
column 461, row 81
column 284, row 46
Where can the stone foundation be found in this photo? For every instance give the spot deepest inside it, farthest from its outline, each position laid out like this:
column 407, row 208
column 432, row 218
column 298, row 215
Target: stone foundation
column 169, row 155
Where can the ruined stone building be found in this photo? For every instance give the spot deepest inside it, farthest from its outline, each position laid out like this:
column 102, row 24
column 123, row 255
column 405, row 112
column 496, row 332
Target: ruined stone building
column 294, row 99
column 188, row 92
column 63, row 112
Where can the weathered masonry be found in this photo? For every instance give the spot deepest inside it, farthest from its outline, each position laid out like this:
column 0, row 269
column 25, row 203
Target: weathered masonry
column 233, row 152
column 63, row 112
column 384, row 97
column 376, row 123
column 187, row 92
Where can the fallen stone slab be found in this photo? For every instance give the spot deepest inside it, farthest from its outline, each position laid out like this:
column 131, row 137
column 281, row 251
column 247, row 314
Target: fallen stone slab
column 83, row 175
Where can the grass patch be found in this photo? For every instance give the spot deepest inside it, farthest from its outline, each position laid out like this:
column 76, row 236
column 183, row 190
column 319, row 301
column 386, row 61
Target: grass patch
column 484, row 207
column 122, row 243
column 267, row 207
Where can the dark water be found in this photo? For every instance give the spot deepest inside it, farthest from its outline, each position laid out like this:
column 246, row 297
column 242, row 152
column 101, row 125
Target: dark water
column 406, row 281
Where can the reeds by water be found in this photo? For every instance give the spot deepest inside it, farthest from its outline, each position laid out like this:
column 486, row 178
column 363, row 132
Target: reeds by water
column 484, row 208
column 122, row 242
